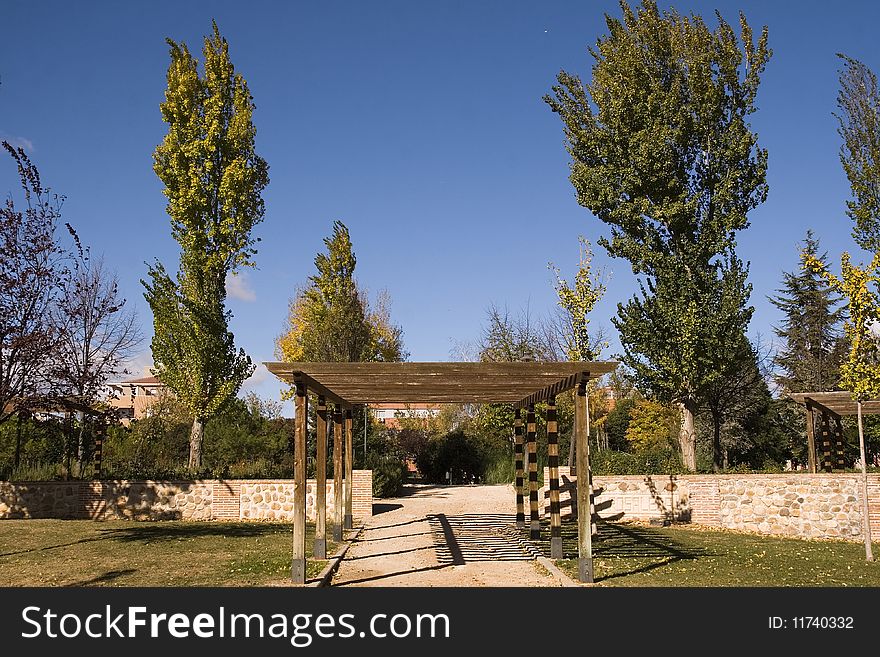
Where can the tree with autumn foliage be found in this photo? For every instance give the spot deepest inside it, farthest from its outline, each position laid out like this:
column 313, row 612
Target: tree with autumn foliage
column 331, row 319
column 213, row 181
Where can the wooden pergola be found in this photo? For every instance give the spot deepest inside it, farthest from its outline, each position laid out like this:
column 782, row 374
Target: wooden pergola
column 830, row 407
column 522, row 384
column 835, row 405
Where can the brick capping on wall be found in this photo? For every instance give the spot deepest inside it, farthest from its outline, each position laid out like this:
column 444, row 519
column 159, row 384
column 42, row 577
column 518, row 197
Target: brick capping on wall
column 789, row 504
column 209, row 499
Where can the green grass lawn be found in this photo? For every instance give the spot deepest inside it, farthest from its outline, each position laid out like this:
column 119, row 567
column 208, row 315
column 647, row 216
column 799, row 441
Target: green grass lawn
column 628, row 554
column 167, row 553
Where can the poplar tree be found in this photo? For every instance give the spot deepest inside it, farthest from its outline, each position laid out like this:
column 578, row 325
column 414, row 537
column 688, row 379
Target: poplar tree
column 213, row 181
column 662, row 152
column 331, row 320
column 858, row 102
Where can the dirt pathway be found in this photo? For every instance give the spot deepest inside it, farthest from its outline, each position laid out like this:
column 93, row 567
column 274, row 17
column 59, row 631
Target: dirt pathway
column 443, row 536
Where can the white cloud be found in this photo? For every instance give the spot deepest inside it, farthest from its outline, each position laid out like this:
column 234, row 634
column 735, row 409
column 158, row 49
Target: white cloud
column 260, row 376
column 138, row 365
column 238, row 287
column 18, row 142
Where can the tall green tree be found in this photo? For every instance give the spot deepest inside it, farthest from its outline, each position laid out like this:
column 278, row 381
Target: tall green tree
column 213, row 181
column 858, row 102
column 812, row 349
column 663, row 153
column 331, row 320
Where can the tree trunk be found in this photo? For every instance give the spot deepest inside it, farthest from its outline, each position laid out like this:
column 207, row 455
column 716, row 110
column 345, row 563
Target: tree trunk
column 717, row 452
column 81, row 443
column 195, row 444
column 17, row 459
column 687, row 436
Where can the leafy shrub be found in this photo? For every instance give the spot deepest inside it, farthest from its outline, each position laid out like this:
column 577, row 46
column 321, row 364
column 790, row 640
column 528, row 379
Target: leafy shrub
column 611, row 462
column 464, row 456
column 388, row 477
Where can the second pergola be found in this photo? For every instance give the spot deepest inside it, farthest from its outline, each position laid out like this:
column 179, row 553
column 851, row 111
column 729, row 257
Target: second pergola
column 829, row 408
column 523, row 384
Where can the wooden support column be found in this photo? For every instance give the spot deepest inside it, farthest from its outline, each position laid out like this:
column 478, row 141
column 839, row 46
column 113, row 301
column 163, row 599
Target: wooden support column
column 320, row 551
column 866, row 508
column 98, row 455
column 338, row 504
column 826, row 443
column 298, row 566
column 349, row 465
column 531, row 436
column 584, row 493
column 518, row 455
column 553, row 463
column 838, row 443
column 811, row 439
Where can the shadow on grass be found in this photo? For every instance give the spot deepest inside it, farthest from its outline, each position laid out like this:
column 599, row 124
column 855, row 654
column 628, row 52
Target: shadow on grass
column 109, row 576
column 623, row 541
column 183, row 531
column 171, row 531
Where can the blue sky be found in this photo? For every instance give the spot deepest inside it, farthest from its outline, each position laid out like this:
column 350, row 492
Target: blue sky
column 420, row 125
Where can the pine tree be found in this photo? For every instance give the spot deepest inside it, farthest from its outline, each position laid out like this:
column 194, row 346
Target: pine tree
column 813, row 347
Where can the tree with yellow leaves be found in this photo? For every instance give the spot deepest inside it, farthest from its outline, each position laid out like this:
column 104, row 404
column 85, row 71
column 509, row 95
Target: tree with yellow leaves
column 860, row 373
column 331, row 319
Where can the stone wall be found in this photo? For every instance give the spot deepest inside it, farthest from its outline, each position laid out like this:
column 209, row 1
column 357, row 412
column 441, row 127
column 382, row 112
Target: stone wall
column 262, row 499
column 801, row 505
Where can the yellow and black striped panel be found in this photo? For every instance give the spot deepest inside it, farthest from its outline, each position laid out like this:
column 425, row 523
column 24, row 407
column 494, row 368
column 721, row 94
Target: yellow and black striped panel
column 518, row 453
column 531, row 441
column 553, row 467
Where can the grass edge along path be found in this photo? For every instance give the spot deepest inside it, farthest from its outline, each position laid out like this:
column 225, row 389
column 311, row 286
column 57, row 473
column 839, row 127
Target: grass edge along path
column 635, row 554
column 162, row 553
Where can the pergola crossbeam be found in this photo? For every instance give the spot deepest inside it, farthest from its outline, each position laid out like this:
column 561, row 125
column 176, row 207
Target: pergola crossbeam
column 809, row 401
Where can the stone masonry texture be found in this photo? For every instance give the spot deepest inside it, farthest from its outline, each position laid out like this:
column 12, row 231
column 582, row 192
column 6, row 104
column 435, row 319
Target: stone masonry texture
column 172, row 500
column 796, row 505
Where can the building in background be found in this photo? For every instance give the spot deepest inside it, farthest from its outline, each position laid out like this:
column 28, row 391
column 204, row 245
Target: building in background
column 131, row 399
column 390, row 414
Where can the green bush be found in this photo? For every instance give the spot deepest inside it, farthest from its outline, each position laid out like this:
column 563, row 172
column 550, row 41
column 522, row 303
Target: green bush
column 388, row 477
column 465, row 457
column 612, row 462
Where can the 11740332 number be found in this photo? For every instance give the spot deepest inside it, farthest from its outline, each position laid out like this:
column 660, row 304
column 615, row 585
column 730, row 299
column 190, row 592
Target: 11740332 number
column 811, row 622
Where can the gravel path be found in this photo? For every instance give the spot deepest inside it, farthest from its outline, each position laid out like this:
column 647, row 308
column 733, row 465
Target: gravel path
column 443, row 536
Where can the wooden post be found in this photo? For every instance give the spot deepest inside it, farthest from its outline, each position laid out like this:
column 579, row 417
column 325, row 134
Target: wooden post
column 584, row 494
column 320, row 551
column 349, row 464
column 338, row 505
column 838, row 443
column 811, row 439
column 100, row 433
column 866, row 517
column 826, row 443
column 518, row 454
column 553, row 463
column 298, row 566
column 531, row 436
